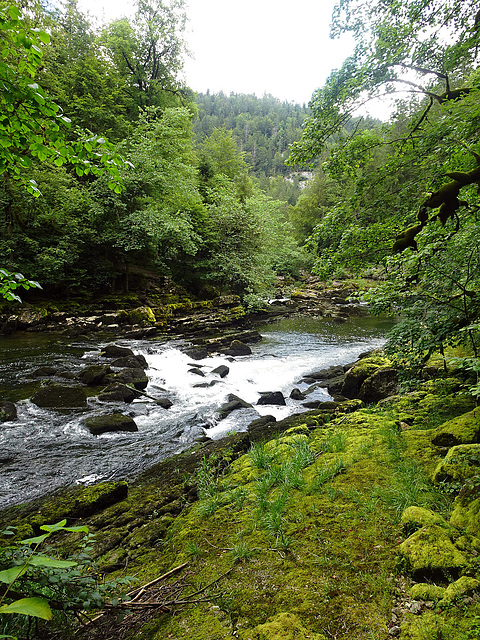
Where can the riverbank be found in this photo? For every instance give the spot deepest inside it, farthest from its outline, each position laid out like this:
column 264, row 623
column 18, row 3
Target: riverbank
column 349, row 524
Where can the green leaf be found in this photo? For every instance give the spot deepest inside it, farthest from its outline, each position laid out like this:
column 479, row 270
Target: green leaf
column 10, row 575
column 37, row 607
column 46, row 561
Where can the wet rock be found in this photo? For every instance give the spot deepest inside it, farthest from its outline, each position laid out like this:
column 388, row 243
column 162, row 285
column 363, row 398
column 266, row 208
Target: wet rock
column 233, row 403
column 115, row 351
column 222, row 370
column 296, row 394
column 197, row 372
column 8, row 411
column 94, row 374
column 135, row 377
column 130, row 362
column 57, row 396
column 272, row 397
column 109, row 423
column 165, row 403
column 237, row 348
column 144, row 316
column 118, row 393
column 197, row 353
column 325, row 405
column 45, row 371
column 326, row 374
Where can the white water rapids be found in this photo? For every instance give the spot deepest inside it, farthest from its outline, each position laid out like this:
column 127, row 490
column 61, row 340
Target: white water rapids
column 45, row 449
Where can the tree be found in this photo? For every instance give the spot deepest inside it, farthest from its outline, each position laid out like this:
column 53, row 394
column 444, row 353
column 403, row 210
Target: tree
column 149, row 51
column 424, row 47
column 32, row 125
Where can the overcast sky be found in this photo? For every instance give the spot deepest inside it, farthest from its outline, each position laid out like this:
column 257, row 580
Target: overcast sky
column 253, row 46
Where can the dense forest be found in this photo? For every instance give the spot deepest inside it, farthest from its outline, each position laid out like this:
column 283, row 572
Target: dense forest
column 109, row 163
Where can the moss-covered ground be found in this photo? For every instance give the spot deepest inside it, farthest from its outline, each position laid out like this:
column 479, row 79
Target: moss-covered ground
column 301, row 535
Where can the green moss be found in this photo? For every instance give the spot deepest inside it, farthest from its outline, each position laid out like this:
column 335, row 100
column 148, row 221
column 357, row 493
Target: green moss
column 414, row 518
column 142, row 315
column 464, row 429
column 460, row 463
column 425, row 591
column 283, row 626
column 449, row 624
column 466, row 514
column 430, row 549
column 462, row 587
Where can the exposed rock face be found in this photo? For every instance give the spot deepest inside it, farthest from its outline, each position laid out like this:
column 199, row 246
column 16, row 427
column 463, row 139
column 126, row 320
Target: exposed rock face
column 296, row 394
column 94, row 374
column 272, row 397
column 363, row 369
column 111, row 422
column 8, row 411
column 57, row 396
column 143, row 316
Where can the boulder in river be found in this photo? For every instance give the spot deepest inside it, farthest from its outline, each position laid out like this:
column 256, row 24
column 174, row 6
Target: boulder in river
column 296, row 394
column 118, row 392
column 94, row 374
column 130, row 362
column 233, row 403
column 110, row 422
column 237, row 348
column 222, row 370
column 115, row 351
column 136, row 377
column 197, row 353
column 197, row 372
column 8, row 411
column 272, row 397
column 58, row 396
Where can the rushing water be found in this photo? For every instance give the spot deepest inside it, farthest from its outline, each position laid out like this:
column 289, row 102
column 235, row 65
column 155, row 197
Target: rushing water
column 46, row 449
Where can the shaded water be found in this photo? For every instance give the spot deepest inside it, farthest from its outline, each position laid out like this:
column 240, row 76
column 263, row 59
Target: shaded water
column 45, row 449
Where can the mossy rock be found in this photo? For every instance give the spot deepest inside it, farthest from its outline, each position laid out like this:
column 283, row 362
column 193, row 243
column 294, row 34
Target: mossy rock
column 284, row 626
column 110, row 422
column 464, row 586
column 414, row 518
column 431, row 551
column 460, row 463
column 464, row 429
column 94, row 374
column 57, row 396
column 466, row 514
column 360, row 371
column 425, row 591
column 143, row 316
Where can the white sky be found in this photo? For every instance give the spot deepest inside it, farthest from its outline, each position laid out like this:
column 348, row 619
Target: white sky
column 253, row 46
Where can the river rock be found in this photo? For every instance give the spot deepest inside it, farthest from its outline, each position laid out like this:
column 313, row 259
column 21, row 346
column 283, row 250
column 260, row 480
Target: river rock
column 117, row 392
column 115, row 351
column 197, row 372
column 197, row 353
column 57, row 396
column 8, row 411
column 45, row 371
column 135, row 377
column 296, row 394
column 111, row 422
column 130, row 362
column 94, row 374
column 272, row 397
column 237, row 348
column 363, row 369
column 233, row 403
column 222, row 370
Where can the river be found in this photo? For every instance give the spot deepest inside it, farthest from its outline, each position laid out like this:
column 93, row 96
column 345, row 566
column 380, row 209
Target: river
column 44, row 450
